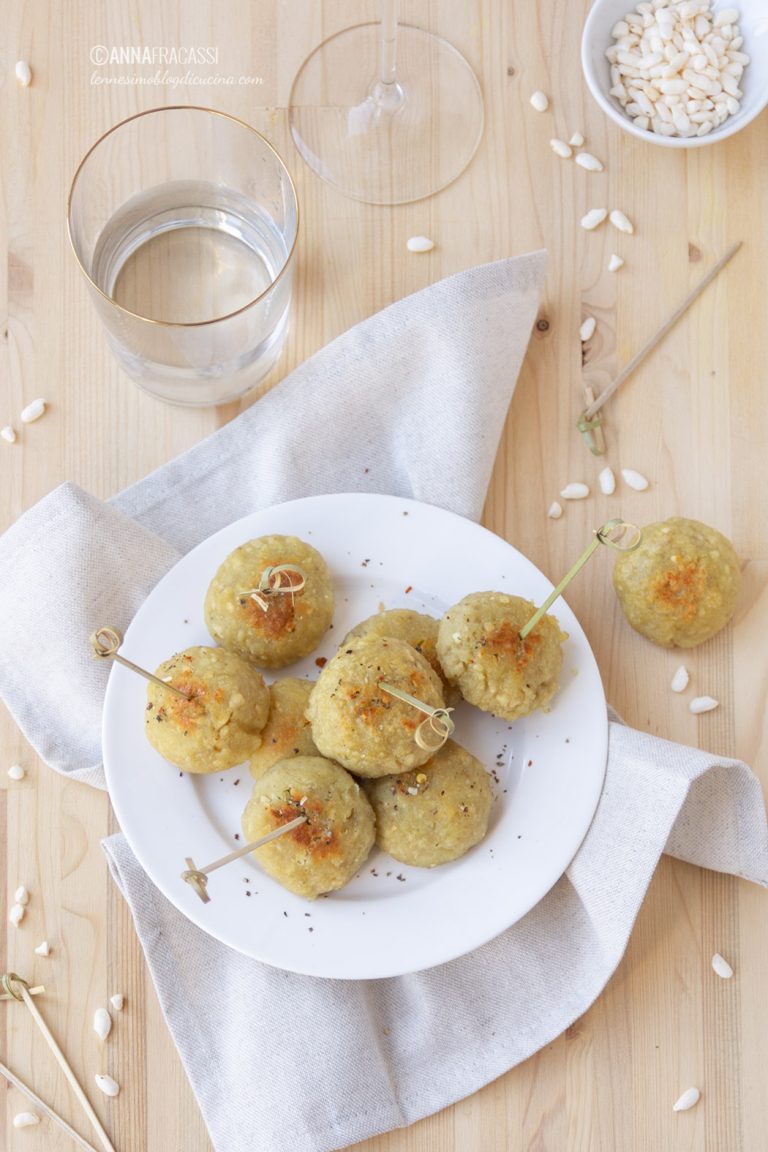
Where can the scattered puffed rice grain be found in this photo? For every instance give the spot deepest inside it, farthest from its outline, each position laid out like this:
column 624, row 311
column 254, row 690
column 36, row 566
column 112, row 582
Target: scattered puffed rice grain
column 561, row 149
column 588, row 161
column 22, row 895
column 679, row 681
column 107, row 1085
column 607, row 481
column 117, row 1001
column 8, row 434
column 420, row 244
column 593, row 218
column 703, row 704
column 16, row 772
column 102, row 1023
column 576, row 491
column 620, row 221
column 33, row 411
column 17, row 914
column 587, row 329
column 721, row 966
column 555, row 510
column 690, row 1097
column 539, row 101
column 43, row 949
column 615, row 263
column 634, row 479
column 25, row 1119
column 576, row 140
column 23, row 73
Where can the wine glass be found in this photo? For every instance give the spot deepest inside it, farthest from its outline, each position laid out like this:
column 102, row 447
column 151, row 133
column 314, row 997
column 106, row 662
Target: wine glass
column 386, row 113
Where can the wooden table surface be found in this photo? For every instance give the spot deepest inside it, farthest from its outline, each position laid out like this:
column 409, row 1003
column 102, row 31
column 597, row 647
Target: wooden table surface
column 694, row 420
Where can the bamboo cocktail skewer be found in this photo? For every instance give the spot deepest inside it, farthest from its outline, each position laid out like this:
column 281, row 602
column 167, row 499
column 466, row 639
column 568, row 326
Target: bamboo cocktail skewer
column 12, row 1078
column 601, row 536
column 106, row 641
column 276, row 581
column 587, row 422
column 19, row 989
column 36, row 991
column 197, row 878
column 438, row 720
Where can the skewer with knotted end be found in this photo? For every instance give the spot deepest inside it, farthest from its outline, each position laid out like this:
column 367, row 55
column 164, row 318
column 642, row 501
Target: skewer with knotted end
column 277, row 580
column 197, row 878
column 105, row 643
column 611, row 535
column 433, row 732
column 589, row 423
column 18, row 989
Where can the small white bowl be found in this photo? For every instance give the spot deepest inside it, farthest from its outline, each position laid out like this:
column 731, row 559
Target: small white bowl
column 753, row 26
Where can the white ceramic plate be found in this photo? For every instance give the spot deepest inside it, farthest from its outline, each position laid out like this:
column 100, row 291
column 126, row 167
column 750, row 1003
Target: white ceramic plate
column 390, row 919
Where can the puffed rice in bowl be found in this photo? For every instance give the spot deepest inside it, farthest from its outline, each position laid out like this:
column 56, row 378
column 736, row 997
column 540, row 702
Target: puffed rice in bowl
column 705, row 29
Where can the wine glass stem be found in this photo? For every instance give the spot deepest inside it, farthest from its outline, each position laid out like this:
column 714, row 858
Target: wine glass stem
column 388, row 56
column 387, row 92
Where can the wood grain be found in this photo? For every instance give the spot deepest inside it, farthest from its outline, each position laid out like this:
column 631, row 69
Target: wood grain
column 693, row 419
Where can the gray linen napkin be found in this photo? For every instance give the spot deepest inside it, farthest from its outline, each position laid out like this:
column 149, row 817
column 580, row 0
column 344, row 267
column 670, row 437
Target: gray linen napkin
column 366, row 413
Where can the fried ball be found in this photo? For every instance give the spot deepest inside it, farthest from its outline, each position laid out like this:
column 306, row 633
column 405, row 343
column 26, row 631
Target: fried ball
column 325, row 852
column 220, row 725
column 435, row 813
column 681, row 585
column 292, row 624
column 358, row 723
column 417, row 629
column 287, row 732
column 480, row 649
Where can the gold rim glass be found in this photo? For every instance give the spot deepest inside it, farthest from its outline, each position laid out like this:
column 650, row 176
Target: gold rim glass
column 184, row 221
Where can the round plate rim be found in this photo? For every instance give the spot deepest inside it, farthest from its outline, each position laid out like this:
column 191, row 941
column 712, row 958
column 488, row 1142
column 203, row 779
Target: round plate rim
column 370, row 967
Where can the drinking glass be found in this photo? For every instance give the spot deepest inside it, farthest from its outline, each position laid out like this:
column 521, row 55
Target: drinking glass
column 184, row 221
column 386, row 113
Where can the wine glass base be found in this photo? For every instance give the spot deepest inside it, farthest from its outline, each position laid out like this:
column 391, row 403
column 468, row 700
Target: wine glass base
column 369, row 150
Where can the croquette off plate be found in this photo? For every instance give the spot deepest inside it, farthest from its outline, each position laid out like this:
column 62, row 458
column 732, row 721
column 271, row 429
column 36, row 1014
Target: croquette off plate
column 480, row 649
column 681, row 585
column 324, row 853
column 221, row 724
column 293, row 623
column 360, row 725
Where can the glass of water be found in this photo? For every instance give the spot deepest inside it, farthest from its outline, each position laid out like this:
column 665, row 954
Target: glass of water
column 184, row 221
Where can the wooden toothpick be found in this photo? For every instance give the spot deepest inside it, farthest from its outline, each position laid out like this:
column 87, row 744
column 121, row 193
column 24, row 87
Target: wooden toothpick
column 611, row 534
column 589, row 422
column 19, row 990
column 197, row 878
column 277, row 580
column 12, row 1078
column 438, row 720
column 105, row 643
column 592, row 430
column 36, row 991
